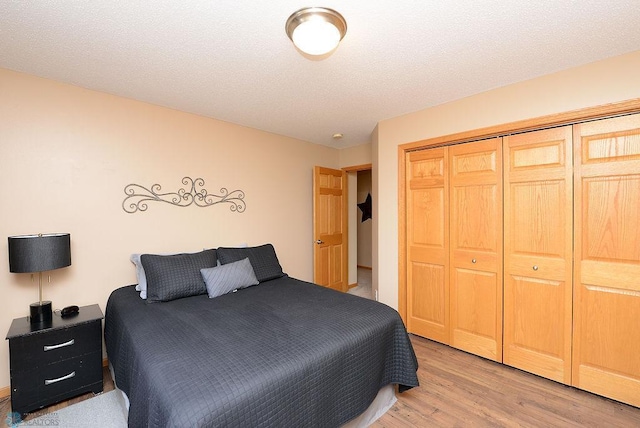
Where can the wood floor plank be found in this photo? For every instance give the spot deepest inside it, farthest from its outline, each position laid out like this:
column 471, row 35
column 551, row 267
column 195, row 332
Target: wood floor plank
column 458, row 389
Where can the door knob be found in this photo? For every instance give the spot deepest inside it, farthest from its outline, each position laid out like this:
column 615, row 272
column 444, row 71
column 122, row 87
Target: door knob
column 535, row 267
column 319, row 241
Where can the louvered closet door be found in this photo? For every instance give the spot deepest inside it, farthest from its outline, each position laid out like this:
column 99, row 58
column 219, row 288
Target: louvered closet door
column 606, row 352
column 476, row 247
column 427, row 243
column 538, row 241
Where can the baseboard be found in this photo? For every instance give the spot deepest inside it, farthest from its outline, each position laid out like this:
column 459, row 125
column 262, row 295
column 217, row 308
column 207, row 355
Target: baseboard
column 365, row 267
column 350, row 286
column 5, row 392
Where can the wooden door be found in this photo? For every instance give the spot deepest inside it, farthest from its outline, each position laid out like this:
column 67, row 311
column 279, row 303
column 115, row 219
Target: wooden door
column 330, row 228
column 538, row 244
column 476, row 247
column 606, row 345
column 427, row 220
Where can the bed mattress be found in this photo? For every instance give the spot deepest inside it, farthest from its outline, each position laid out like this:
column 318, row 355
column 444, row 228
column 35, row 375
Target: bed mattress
column 284, row 353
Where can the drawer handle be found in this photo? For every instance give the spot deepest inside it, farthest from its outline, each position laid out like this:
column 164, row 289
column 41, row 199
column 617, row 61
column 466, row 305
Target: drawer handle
column 50, row 381
column 473, row 260
column 535, row 267
column 60, row 345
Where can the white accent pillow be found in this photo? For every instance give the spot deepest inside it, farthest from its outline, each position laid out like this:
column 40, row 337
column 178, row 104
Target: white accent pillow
column 224, row 279
column 141, row 286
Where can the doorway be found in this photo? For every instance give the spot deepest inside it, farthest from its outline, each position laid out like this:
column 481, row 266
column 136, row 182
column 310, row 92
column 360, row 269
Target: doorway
column 360, row 257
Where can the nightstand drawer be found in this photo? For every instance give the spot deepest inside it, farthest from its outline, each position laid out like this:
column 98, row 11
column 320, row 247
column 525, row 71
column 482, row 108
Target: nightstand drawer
column 50, row 346
column 32, row 389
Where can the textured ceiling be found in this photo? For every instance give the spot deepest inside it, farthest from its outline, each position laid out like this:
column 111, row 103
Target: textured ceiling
column 232, row 60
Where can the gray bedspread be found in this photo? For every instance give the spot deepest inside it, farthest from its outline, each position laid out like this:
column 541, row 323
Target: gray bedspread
column 285, row 353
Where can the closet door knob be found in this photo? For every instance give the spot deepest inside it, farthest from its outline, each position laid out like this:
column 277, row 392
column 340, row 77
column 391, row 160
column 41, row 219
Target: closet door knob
column 473, row 260
column 535, row 267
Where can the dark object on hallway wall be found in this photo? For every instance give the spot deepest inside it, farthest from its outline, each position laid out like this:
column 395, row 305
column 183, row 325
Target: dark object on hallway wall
column 365, row 207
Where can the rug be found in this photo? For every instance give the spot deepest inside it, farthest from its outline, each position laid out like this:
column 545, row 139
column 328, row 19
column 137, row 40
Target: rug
column 104, row 410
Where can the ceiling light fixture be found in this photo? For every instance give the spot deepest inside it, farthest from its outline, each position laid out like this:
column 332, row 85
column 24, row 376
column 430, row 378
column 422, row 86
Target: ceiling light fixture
column 316, row 30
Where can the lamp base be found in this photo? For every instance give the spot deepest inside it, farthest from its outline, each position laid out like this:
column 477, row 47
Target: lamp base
column 41, row 312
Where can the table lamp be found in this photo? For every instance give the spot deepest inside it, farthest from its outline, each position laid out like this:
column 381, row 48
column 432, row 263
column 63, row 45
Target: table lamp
column 39, row 253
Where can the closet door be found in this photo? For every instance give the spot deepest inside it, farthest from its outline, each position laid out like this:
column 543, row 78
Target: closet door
column 476, row 247
column 538, row 241
column 427, row 244
column 606, row 345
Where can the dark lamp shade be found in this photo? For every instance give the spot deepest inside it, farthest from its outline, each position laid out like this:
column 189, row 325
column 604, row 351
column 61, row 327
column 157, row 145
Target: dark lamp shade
column 39, row 253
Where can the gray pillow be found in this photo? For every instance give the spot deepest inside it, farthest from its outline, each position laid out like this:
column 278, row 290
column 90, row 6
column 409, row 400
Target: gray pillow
column 263, row 260
column 224, row 279
column 141, row 286
column 176, row 276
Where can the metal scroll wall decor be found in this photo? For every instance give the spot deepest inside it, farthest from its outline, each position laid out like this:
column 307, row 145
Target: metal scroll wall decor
column 194, row 192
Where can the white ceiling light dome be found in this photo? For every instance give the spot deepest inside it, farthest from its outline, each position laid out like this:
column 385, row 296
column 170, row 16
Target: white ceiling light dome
column 316, row 30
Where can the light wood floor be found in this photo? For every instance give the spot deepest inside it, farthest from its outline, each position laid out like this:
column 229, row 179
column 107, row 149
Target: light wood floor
column 461, row 390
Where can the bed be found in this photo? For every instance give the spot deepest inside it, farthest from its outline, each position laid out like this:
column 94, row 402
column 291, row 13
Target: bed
column 280, row 352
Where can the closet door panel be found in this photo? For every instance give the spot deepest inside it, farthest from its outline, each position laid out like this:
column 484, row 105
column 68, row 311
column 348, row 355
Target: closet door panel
column 538, row 252
column 476, row 248
column 474, row 312
column 607, row 241
column 427, row 243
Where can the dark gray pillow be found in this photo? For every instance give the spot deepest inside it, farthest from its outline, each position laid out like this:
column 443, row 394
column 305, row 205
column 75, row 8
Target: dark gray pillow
column 224, row 279
column 263, row 259
column 176, row 276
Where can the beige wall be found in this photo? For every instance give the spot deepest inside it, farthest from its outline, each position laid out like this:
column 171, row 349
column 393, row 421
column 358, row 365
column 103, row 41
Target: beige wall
column 352, row 225
column 376, row 226
column 67, row 153
column 356, row 155
column 613, row 80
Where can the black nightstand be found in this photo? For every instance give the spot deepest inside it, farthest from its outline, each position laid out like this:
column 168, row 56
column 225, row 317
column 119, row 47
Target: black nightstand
column 53, row 363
